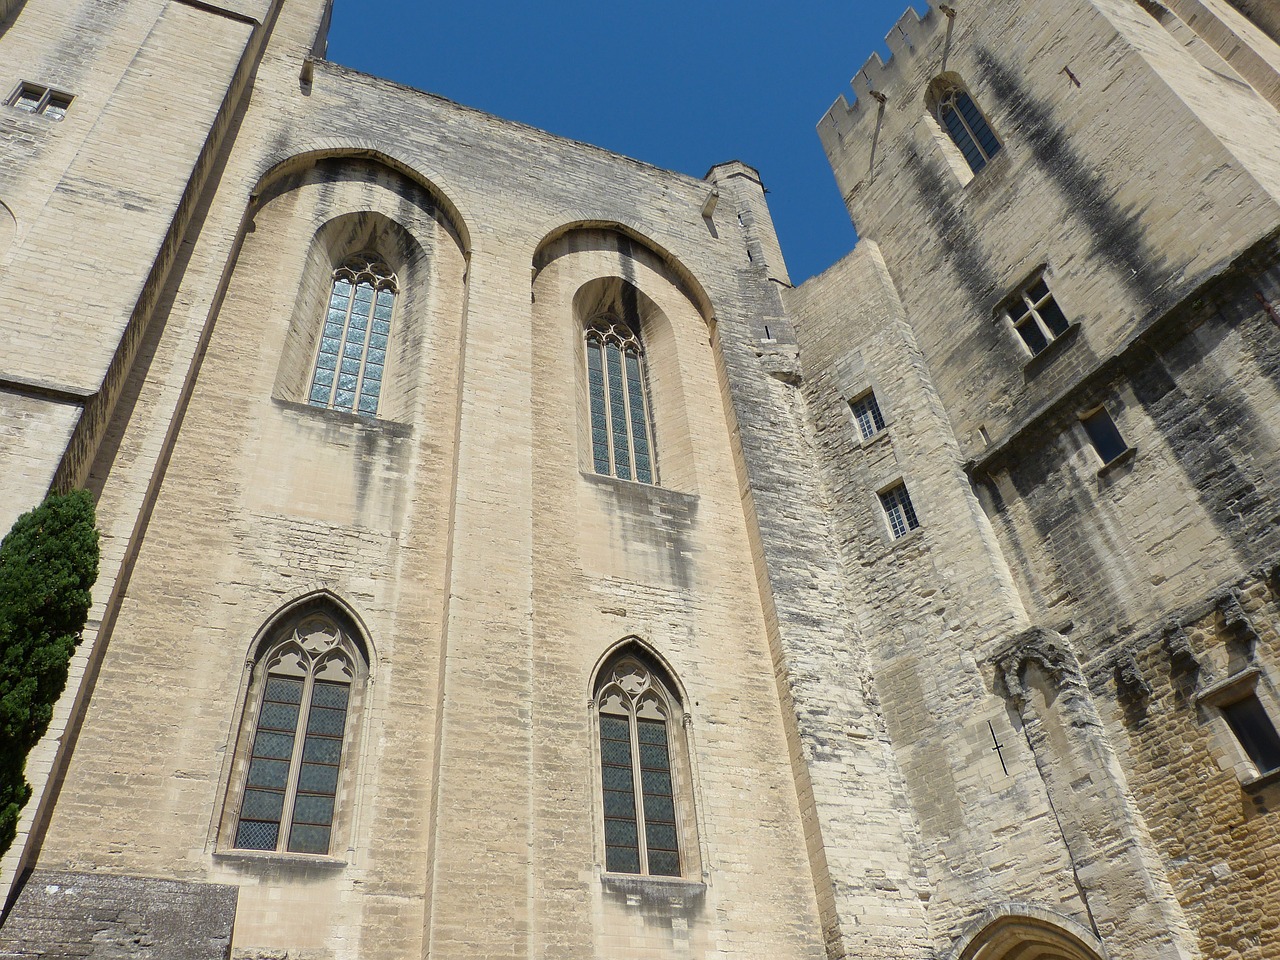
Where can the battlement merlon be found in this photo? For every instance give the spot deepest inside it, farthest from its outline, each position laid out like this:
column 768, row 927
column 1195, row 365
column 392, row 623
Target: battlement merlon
column 850, row 126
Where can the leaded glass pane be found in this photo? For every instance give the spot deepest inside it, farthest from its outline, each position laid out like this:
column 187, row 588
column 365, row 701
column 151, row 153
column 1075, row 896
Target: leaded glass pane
column 326, row 721
column 322, row 750
column 320, row 394
column 344, row 399
column 659, row 808
column 614, row 751
column 324, row 378
column 327, row 361
column 618, row 803
column 253, row 835
column 377, row 340
column 364, row 294
column 279, row 716
column 653, row 755
column 275, row 746
column 372, row 372
column 369, row 404
column 619, row 832
column 310, row 808
column 262, row 805
column 622, row 859
column 639, row 418
column 618, row 413
column 268, row 773
column 657, row 782
column 351, row 366
column 305, row 838
column 347, row 323
column 318, row 778
column 660, row 835
column 664, row 863
column 599, row 423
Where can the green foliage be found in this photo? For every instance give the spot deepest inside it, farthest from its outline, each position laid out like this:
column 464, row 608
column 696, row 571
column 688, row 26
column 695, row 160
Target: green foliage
column 48, row 563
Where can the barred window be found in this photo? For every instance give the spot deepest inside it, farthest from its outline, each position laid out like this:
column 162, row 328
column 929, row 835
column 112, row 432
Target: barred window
column 620, row 420
column 639, row 719
column 899, row 510
column 959, row 115
column 299, row 714
column 1036, row 316
column 866, row 413
column 34, row 98
column 352, row 355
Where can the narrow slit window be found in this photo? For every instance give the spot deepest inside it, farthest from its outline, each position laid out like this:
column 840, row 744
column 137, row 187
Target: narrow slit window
column 620, row 421
column 352, row 355
column 899, row 511
column 866, row 413
column 1104, row 435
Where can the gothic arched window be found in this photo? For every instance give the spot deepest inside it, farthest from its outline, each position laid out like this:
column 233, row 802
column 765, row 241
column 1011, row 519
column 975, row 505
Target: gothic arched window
column 620, row 444
column 968, row 128
column 640, row 726
column 353, row 344
column 300, row 707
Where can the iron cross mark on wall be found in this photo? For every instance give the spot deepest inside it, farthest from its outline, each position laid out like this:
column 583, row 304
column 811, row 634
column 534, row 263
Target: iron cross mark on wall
column 997, row 748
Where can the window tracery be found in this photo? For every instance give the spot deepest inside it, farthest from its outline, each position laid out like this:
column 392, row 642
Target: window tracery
column 620, row 418
column 352, row 355
column 303, row 699
column 638, row 718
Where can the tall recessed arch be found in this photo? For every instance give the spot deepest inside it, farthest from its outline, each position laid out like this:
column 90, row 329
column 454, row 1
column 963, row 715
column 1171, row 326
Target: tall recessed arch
column 281, row 170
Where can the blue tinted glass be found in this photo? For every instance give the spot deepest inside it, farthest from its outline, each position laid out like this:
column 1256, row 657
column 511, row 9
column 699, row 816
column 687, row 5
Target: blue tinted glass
column 262, row 805
column 619, row 832
column 268, row 773
column 344, row 400
column 386, row 298
column 364, row 293
column 252, row 835
column 326, row 721
column 324, row 378
column 372, row 374
column 318, row 778
column 304, row 838
column 347, row 381
column 330, row 694
column 327, row 361
column 377, row 340
column 369, row 404
column 351, row 365
column 622, row 860
column 278, row 746
column 309, row 808
column 278, row 716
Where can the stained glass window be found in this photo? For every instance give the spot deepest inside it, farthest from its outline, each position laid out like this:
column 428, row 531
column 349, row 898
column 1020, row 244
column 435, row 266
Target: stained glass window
column 352, row 355
column 296, row 751
column 641, row 829
column 967, row 127
column 620, row 424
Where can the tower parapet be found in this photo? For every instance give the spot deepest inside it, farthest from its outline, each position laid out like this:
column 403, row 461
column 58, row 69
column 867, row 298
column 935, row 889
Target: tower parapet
column 849, row 129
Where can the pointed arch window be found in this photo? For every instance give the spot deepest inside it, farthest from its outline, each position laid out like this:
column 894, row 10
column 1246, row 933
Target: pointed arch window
column 959, row 115
column 305, row 692
column 620, row 419
column 640, row 730
column 352, row 355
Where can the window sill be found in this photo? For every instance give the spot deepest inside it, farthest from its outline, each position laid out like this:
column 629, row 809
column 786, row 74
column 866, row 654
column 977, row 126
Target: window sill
column 635, row 488
column 272, row 858
column 909, row 537
column 1261, row 780
column 392, row 427
column 647, row 889
column 1035, row 363
column 880, row 436
column 1117, row 461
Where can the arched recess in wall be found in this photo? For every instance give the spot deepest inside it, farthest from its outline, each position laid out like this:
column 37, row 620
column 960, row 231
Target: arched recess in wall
column 1031, row 935
column 8, row 231
column 589, row 275
column 330, row 212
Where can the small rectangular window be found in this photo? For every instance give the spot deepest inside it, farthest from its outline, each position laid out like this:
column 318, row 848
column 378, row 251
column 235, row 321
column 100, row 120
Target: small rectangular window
column 1104, row 435
column 899, row 510
column 1249, row 722
column 34, row 98
column 866, row 413
column 1036, row 316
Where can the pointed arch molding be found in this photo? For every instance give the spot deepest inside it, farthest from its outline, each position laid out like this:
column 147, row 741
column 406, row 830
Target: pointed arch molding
column 1017, row 931
column 634, row 643
column 279, row 166
column 689, row 285
column 315, row 599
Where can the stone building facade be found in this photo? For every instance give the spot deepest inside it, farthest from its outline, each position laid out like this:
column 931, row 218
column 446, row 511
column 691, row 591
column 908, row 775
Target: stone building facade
column 503, row 559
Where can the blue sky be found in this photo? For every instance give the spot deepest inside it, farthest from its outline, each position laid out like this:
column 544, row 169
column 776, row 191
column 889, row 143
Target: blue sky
column 680, row 85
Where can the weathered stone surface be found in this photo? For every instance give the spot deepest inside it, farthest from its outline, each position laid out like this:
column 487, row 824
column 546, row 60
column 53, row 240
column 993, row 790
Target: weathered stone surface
column 95, row 916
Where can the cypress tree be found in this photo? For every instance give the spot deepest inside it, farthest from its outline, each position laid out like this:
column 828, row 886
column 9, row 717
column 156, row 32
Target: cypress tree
column 48, row 563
